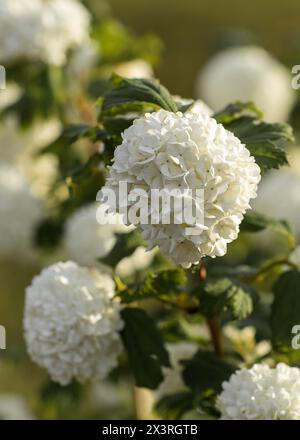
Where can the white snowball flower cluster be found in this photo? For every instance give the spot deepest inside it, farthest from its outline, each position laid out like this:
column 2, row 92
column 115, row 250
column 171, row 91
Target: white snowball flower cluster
column 261, row 393
column 166, row 151
column 38, row 29
column 86, row 240
column 247, row 73
column 20, row 212
column 279, row 193
column 14, row 407
column 71, row 323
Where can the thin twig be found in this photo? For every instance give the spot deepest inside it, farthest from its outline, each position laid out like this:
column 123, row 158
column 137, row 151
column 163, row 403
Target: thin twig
column 269, row 266
column 213, row 323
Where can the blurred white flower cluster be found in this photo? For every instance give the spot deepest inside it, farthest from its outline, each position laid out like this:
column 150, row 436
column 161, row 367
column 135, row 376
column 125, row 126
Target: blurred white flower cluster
column 134, row 69
column 198, row 106
column 261, row 393
column 279, row 193
column 86, row 240
column 166, row 151
column 82, row 61
column 295, row 257
column 19, row 147
column 9, row 95
column 201, row 107
column 41, row 30
column 139, row 260
column 20, row 212
column 173, row 382
column 244, row 342
column 72, row 322
column 14, row 407
column 247, row 73
column 16, row 142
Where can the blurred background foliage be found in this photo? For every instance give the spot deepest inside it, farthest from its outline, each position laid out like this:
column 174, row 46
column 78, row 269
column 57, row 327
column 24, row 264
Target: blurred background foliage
column 192, row 30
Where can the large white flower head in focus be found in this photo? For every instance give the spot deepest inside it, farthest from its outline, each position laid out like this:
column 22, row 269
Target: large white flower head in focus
column 247, row 73
column 166, row 151
column 20, row 212
column 38, row 29
column 261, row 393
column 86, row 240
column 71, row 323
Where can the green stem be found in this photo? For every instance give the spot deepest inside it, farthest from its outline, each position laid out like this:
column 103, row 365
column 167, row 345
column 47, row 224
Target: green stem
column 265, row 269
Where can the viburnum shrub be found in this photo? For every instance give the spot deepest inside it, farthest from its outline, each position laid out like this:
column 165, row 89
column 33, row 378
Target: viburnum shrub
column 77, row 319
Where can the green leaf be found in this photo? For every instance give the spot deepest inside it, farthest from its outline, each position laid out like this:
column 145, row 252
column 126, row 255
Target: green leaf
column 169, row 280
column 241, row 303
column 136, row 93
column 174, row 406
column 224, row 293
column 54, row 392
column 61, row 147
column 256, row 222
column 285, row 309
column 146, row 351
column 234, row 111
column 61, row 401
column 69, row 135
column 183, row 104
column 263, row 140
column 43, row 91
column 167, row 286
column 85, row 181
column 49, row 233
column 205, row 371
column 77, row 131
column 125, row 245
column 115, row 125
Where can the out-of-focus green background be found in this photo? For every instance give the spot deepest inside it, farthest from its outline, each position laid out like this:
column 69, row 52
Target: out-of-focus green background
column 190, row 28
